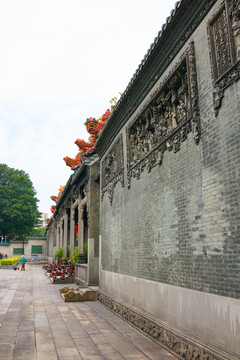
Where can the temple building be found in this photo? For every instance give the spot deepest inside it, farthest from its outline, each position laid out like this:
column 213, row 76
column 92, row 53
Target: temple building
column 76, row 222
column 163, row 234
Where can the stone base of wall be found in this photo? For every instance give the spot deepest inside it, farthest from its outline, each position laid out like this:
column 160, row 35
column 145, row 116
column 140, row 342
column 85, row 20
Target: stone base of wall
column 177, row 342
column 81, row 271
column 50, row 259
column 80, row 282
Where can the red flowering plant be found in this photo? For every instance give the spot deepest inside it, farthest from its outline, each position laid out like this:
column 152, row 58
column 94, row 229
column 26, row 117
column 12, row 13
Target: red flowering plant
column 53, row 273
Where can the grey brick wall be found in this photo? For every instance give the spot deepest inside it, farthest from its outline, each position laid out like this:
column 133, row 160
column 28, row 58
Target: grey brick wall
column 180, row 224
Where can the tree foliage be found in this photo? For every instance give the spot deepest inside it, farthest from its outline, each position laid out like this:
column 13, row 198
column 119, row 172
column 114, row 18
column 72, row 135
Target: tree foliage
column 19, row 213
column 39, row 231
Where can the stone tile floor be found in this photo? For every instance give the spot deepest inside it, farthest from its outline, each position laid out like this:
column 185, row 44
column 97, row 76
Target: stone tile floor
column 37, row 324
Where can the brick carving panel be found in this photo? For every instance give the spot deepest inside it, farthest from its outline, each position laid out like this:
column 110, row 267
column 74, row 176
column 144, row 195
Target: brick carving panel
column 112, row 169
column 224, row 41
column 166, row 122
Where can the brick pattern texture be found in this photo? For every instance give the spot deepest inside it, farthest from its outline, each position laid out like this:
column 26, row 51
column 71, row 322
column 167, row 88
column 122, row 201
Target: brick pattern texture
column 180, row 224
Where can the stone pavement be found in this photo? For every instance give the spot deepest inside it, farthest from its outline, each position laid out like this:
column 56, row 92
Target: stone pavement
column 37, row 324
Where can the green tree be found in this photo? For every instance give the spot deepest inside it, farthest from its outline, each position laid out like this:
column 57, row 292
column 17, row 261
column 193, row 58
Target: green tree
column 19, row 213
column 39, row 231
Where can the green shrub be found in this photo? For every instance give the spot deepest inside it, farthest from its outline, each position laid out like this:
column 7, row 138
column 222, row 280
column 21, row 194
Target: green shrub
column 85, row 252
column 59, row 254
column 68, row 251
column 75, row 255
column 9, row 261
column 65, row 258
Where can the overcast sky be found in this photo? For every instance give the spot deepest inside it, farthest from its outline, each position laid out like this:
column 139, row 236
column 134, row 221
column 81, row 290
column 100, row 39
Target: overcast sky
column 63, row 61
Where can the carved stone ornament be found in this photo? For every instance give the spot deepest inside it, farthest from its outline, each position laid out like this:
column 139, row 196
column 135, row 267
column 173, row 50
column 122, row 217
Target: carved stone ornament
column 60, row 223
column 82, row 205
column 62, row 212
column 68, row 204
column 74, row 205
column 224, row 40
column 57, row 218
column 112, row 169
column 160, row 333
column 76, row 194
column 166, row 121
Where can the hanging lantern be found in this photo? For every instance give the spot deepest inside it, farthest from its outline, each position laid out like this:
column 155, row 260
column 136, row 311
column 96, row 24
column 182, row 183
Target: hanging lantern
column 76, row 227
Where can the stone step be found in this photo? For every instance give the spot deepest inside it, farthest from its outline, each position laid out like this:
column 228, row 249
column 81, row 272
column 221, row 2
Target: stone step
column 81, row 294
column 65, row 289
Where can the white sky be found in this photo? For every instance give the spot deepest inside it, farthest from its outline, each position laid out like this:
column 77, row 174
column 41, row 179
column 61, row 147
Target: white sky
column 61, row 62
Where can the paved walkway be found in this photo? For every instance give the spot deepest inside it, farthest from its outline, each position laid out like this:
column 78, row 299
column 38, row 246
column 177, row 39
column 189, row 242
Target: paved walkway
column 37, row 324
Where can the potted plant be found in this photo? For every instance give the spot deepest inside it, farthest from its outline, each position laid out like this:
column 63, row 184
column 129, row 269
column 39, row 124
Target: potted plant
column 65, row 260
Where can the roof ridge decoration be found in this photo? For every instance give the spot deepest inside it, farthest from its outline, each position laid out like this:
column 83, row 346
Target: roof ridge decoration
column 94, row 128
column 55, row 199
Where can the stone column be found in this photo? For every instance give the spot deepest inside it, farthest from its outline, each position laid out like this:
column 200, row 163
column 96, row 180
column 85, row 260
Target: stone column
column 81, row 225
column 65, row 235
column 61, row 234
column 93, row 227
column 72, row 223
column 58, row 238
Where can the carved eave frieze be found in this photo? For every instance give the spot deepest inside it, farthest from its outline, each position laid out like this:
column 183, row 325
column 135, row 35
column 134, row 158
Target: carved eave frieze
column 167, row 120
column 112, row 169
column 224, row 43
